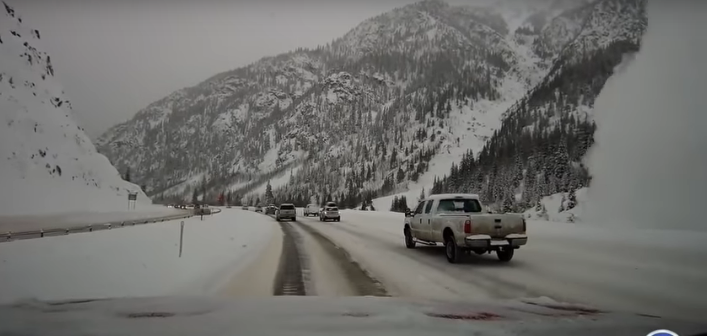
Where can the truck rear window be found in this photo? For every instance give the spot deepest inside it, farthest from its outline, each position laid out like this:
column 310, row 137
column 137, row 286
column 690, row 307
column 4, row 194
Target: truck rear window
column 459, row 205
column 332, row 209
column 287, row 207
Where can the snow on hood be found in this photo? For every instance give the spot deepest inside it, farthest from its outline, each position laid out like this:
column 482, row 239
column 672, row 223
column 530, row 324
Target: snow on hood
column 323, row 316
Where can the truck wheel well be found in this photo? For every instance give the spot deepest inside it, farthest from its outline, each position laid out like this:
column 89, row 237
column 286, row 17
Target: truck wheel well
column 447, row 233
column 407, row 227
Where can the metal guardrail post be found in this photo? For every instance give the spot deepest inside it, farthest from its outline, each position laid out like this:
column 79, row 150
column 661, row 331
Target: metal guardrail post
column 41, row 233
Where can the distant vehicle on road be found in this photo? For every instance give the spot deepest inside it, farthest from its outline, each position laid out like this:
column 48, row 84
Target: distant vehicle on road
column 270, row 209
column 311, row 210
column 286, row 211
column 245, row 207
column 258, row 208
column 458, row 221
column 330, row 213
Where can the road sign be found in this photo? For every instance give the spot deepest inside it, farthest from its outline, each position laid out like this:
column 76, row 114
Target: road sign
column 132, row 197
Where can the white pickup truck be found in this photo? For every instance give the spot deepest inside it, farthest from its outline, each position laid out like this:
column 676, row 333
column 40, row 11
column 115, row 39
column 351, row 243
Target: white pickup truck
column 458, row 221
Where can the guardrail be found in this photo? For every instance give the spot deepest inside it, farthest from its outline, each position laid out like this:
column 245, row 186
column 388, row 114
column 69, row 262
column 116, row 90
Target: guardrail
column 21, row 235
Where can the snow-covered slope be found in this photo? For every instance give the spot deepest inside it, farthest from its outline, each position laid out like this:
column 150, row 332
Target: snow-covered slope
column 384, row 109
column 47, row 163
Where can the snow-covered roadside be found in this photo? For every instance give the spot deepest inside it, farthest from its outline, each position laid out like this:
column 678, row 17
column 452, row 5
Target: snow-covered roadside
column 657, row 272
column 258, row 277
column 140, row 261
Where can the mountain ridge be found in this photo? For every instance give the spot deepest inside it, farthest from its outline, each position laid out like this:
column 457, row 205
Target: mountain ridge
column 408, row 75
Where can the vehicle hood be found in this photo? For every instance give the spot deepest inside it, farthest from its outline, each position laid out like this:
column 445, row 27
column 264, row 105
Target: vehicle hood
column 323, row 316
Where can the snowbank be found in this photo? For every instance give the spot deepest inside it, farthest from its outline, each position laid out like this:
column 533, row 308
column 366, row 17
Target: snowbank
column 649, row 160
column 47, row 163
column 139, row 261
column 552, row 208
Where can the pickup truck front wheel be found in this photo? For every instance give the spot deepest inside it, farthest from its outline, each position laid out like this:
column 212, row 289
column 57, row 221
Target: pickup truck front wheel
column 453, row 252
column 505, row 255
column 409, row 240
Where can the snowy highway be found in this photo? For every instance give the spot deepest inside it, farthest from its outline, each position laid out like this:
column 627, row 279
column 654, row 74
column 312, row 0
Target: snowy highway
column 242, row 254
column 642, row 271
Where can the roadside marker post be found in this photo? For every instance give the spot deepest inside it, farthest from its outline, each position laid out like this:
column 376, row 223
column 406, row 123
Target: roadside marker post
column 181, row 237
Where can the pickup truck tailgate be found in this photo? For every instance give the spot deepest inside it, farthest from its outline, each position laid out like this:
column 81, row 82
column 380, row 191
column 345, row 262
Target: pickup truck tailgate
column 497, row 225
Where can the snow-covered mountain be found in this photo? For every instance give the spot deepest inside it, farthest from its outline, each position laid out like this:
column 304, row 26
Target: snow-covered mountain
column 387, row 107
column 47, row 163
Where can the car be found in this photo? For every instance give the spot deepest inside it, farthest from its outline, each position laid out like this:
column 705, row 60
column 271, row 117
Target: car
column 270, row 209
column 258, row 208
column 330, row 204
column 228, row 206
column 311, row 210
column 459, row 222
column 245, row 207
column 330, row 213
column 286, row 211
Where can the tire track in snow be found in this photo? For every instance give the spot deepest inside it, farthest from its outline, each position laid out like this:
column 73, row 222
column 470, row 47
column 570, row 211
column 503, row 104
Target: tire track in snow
column 363, row 283
column 289, row 279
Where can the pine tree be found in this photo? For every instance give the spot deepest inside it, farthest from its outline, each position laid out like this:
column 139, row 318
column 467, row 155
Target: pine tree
column 572, row 200
column 269, row 197
column 401, row 175
column 127, row 175
column 195, row 197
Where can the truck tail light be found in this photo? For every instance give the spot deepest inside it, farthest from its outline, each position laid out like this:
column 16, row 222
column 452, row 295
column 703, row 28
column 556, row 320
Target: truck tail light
column 467, row 226
column 524, row 225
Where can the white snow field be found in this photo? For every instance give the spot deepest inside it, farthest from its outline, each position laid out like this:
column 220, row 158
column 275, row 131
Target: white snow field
column 139, row 261
column 646, row 271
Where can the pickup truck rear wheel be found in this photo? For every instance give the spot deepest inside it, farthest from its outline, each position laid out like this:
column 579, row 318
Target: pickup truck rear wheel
column 453, row 252
column 505, row 255
column 409, row 240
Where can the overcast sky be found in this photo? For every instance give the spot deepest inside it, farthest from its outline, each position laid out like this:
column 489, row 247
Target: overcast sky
column 114, row 57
